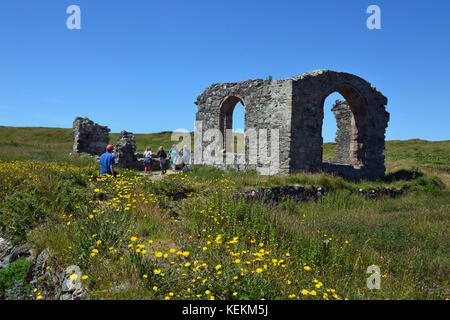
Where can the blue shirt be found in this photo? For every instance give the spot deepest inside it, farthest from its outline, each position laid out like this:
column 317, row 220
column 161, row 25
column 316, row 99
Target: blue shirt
column 106, row 161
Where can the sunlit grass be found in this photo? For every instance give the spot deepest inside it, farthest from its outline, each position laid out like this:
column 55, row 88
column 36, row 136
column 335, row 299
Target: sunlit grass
column 189, row 237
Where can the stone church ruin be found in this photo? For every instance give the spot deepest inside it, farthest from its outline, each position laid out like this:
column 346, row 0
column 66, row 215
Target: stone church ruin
column 295, row 106
column 291, row 112
column 92, row 138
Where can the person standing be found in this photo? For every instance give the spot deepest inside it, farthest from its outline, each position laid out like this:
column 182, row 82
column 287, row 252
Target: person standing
column 162, row 159
column 148, row 160
column 186, row 156
column 107, row 161
column 173, row 156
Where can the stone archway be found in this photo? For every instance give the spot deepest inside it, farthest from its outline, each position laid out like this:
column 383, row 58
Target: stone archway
column 226, row 108
column 366, row 116
column 294, row 107
column 351, row 117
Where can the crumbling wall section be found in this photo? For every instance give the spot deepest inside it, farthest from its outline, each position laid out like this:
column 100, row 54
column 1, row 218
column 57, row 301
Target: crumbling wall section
column 89, row 137
column 345, row 134
column 266, row 106
column 368, row 108
column 125, row 151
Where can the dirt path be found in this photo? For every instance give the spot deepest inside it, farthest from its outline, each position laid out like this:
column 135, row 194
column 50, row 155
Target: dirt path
column 158, row 176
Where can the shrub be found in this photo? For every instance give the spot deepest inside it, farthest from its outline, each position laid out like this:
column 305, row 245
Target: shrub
column 13, row 275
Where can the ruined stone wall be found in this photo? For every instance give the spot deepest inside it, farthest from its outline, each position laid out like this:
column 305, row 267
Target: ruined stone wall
column 125, row 151
column 345, row 135
column 89, row 137
column 368, row 107
column 294, row 106
column 266, row 106
column 280, row 110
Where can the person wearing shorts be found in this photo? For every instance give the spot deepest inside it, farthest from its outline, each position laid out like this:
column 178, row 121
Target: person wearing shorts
column 148, row 160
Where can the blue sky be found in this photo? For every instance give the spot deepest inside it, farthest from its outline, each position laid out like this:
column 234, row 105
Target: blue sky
column 139, row 65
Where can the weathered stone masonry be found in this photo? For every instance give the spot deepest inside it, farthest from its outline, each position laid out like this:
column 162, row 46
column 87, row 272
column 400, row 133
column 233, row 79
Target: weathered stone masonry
column 125, row 150
column 295, row 107
column 346, row 141
column 89, row 137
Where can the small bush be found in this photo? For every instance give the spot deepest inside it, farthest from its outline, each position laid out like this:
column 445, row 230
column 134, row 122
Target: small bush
column 13, row 274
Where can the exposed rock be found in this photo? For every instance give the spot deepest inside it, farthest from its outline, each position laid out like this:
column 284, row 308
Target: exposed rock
column 71, row 288
column 5, row 256
column 276, row 194
column 383, row 192
column 68, row 284
column 47, row 280
column 10, row 253
column 49, row 283
column 41, row 262
column 89, row 137
column 125, row 150
column 301, row 193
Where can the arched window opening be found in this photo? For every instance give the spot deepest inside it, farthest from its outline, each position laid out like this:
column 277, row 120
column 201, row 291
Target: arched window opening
column 329, row 127
column 345, row 112
column 238, row 128
column 232, row 118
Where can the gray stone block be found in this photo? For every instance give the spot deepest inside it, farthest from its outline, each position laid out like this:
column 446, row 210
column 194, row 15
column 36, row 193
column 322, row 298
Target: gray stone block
column 89, row 137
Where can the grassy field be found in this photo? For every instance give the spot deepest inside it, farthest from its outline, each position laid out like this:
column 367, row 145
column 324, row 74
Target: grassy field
column 55, row 143
column 133, row 241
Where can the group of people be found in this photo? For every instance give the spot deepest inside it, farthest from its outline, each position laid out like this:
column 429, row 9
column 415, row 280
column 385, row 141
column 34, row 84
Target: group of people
column 176, row 157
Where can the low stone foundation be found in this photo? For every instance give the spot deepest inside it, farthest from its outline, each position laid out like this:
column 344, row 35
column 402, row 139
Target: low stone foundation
column 300, row 193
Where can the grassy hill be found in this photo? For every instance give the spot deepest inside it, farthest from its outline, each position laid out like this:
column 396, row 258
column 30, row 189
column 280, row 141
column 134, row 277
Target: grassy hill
column 189, row 237
column 23, row 143
column 56, row 143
